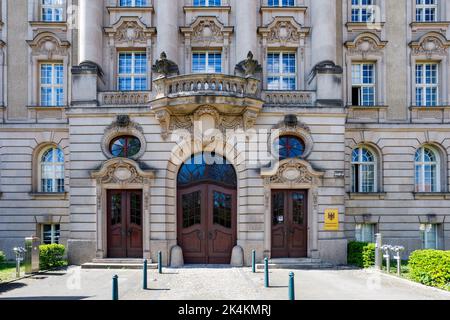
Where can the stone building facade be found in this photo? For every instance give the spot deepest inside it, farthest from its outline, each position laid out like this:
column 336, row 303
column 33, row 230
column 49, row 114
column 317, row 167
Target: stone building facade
column 103, row 103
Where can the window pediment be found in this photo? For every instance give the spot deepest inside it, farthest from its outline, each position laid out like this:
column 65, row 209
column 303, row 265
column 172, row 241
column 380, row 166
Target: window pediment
column 365, row 44
column 129, row 31
column 207, row 31
column 291, row 172
column 430, row 44
column 122, row 171
column 283, row 31
column 48, row 44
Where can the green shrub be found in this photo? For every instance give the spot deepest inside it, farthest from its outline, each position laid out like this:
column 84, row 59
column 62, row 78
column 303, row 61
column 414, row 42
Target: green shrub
column 2, row 257
column 361, row 254
column 51, row 256
column 369, row 255
column 430, row 267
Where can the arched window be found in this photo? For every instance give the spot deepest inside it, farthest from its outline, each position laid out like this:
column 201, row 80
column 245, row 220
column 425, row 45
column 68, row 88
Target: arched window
column 52, row 170
column 363, row 170
column 290, row 147
column 427, row 170
column 125, row 146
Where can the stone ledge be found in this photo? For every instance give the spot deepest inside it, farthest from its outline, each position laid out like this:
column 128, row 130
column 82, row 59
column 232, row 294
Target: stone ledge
column 433, row 114
column 130, row 9
column 48, row 195
column 266, row 8
column 206, row 8
column 61, row 25
column 430, row 26
column 363, row 26
column 367, row 195
column 372, row 114
column 431, row 195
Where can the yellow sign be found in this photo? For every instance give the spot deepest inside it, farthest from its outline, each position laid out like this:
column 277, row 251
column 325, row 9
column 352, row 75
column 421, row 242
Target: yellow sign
column 332, row 219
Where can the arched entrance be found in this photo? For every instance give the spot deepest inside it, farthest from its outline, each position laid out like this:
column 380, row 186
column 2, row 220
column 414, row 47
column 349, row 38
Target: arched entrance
column 207, row 209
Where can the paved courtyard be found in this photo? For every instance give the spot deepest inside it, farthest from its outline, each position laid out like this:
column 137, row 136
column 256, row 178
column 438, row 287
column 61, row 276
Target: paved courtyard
column 216, row 283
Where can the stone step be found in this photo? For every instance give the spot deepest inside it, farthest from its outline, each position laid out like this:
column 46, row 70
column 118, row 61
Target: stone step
column 119, row 260
column 297, row 266
column 293, row 260
column 111, row 265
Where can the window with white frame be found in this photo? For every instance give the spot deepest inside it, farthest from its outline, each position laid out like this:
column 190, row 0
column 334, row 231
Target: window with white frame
column 50, row 233
column 282, row 71
column 133, row 3
column 281, row 3
column 427, row 170
column 365, row 232
column 52, row 10
column 207, row 3
column 429, row 235
column 362, row 10
column 363, row 84
column 51, row 84
column 363, row 170
column 132, row 71
column 52, row 171
column 426, row 10
column 206, row 62
column 427, row 84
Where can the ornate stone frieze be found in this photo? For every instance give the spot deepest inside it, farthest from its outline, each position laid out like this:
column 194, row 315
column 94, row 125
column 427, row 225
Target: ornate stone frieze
column 205, row 31
column 284, row 31
column 431, row 44
column 248, row 67
column 129, row 31
column 366, row 44
column 48, row 45
column 121, row 171
column 291, row 172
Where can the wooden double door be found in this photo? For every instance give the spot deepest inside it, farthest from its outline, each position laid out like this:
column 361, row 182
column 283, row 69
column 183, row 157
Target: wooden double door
column 125, row 220
column 289, row 223
column 207, row 223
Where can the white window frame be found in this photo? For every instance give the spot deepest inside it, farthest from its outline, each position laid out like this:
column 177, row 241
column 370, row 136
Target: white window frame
column 207, row 4
column 53, row 7
column 54, row 165
column 280, row 4
column 359, row 230
column 132, row 75
column 422, row 6
column 426, row 229
column 362, row 85
column 421, row 186
column 359, row 163
column 133, row 4
column 53, row 232
column 207, row 53
column 425, row 85
column 281, row 75
column 360, row 7
column 53, row 85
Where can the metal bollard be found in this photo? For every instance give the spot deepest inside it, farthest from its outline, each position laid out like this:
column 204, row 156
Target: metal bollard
column 254, row 261
column 266, row 272
column 160, row 262
column 144, row 275
column 115, row 287
column 291, row 286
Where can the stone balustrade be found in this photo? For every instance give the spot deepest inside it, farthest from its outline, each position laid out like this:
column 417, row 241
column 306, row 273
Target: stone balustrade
column 206, row 84
column 124, row 97
column 289, row 98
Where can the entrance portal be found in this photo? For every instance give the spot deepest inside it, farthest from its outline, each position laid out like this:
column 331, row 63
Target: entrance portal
column 207, row 209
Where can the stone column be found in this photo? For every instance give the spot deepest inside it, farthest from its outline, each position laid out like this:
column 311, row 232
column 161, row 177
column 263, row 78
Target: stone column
column 91, row 33
column 167, row 26
column 246, row 29
column 323, row 17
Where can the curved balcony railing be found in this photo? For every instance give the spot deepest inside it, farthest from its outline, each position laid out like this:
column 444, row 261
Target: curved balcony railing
column 206, row 84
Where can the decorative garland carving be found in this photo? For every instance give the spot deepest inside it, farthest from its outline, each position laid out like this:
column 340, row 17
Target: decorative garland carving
column 49, row 45
column 283, row 31
column 291, row 172
column 129, row 31
column 431, row 44
column 366, row 44
column 121, row 171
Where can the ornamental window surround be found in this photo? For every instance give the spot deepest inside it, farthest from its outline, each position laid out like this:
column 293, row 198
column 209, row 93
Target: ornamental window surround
column 363, row 171
column 427, row 84
column 281, row 70
column 52, row 10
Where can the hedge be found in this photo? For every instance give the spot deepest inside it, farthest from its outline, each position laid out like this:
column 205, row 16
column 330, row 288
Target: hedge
column 430, row 267
column 51, row 256
column 361, row 254
column 2, row 257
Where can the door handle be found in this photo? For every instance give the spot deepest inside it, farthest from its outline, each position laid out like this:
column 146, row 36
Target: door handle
column 199, row 235
column 212, row 235
column 130, row 232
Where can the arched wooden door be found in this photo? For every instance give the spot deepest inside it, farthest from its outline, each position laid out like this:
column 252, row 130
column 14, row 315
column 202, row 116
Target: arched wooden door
column 207, row 210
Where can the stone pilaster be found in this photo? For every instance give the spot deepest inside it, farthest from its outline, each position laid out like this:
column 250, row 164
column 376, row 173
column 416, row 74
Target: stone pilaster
column 246, row 29
column 167, row 28
column 91, row 33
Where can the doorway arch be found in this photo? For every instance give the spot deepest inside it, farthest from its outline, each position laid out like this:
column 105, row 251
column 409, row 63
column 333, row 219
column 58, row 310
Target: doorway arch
column 207, row 209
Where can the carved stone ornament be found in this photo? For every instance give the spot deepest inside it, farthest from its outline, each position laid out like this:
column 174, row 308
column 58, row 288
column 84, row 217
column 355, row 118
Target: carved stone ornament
column 366, row 44
column 283, row 31
column 165, row 66
column 129, row 31
column 121, row 171
column 206, row 31
column 48, row 45
column 291, row 125
column 248, row 67
column 430, row 45
column 292, row 172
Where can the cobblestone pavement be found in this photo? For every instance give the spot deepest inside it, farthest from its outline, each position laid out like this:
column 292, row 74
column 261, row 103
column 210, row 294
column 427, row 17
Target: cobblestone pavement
column 217, row 283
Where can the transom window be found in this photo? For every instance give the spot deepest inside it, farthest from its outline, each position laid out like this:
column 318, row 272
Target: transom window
column 207, row 3
column 429, row 235
column 125, row 146
column 133, row 3
column 427, row 84
column 426, row 170
column 365, row 232
column 362, row 10
column 426, row 10
column 282, row 71
column 52, row 10
column 52, row 171
column 50, row 233
column 363, row 84
column 207, row 62
column 51, row 84
column 281, row 3
column 363, row 170
column 132, row 71
column 290, row 147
